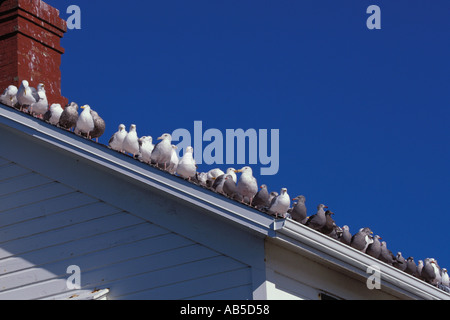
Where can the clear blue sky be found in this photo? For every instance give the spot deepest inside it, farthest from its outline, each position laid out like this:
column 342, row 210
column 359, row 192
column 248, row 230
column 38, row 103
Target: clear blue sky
column 363, row 114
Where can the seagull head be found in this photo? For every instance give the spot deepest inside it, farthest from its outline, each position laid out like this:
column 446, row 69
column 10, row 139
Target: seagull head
column 165, row 136
column 299, row 199
column 189, row 150
column 247, row 170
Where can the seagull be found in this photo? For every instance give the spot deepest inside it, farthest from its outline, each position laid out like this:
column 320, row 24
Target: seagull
column 218, row 183
column 329, row 226
column 445, row 278
column 116, row 140
column 346, row 236
column 40, row 107
column 99, row 126
column 419, row 269
column 201, row 178
column 400, row 262
column 53, row 115
column 374, row 249
column 232, row 173
column 9, row 96
column 298, row 211
column 26, row 95
column 362, row 239
column 146, row 147
column 162, row 153
column 85, row 122
column 437, row 272
column 187, row 167
column 411, row 267
column 229, row 187
column 318, row 220
column 386, row 255
column 69, row 117
column 272, row 195
column 247, row 185
column 131, row 142
column 220, row 180
column 212, row 175
column 174, row 160
column 261, row 199
column 427, row 272
column 280, row 205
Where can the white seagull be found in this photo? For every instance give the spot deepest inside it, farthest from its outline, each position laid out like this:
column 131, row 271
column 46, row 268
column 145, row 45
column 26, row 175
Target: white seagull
column 116, row 140
column 85, row 122
column 187, row 167
column 9, row 96
column 131, row 141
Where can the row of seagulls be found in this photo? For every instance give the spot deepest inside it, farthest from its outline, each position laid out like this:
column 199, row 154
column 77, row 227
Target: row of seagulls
column 34, row 101
column 164, row 156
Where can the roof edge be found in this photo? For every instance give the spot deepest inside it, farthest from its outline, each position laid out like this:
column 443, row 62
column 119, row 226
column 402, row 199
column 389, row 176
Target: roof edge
column 301, row 238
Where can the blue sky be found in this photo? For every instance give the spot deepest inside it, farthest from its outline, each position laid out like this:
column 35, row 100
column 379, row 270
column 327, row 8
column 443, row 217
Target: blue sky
column 363, row 114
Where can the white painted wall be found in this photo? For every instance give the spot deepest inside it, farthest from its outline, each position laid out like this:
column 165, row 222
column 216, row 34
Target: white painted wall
column 291, row 275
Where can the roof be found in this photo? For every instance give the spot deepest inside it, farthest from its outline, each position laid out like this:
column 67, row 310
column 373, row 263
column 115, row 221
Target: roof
column 284, row 232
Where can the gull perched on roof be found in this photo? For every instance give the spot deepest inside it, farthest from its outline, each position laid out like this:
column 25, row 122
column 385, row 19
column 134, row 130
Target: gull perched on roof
column 174, row 160
column 362, row 239
column 187, row 167
column 299, row 211
column 69, row 117
column 116, row 140
column 318, row 220
column 162, row 153
column 53, row 115
column 346, row 236
column 280, row 205
column 99, row 126
column 229, row 187
column 374, row 249
column 40, row 107
column 26, row 95
column 85, row 122
column 9, row 96
column 146, row 147
column 131, row 142
column 261, row 199
column 247, row 185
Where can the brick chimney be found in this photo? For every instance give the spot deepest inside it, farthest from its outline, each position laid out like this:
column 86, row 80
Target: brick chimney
column 30, row 34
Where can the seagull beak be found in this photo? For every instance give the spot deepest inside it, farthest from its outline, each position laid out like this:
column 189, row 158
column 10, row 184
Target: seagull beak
column 325, row 207
column 83, row 107
column 160, row 138
column 237, row 171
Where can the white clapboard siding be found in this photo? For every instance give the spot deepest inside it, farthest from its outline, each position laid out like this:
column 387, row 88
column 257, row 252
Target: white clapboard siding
column 46, row 226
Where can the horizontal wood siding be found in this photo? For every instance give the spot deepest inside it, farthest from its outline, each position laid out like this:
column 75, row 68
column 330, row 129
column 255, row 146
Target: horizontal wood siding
column 46, row 226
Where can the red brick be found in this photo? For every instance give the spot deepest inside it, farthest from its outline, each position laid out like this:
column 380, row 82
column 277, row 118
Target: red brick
column 30, row 36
